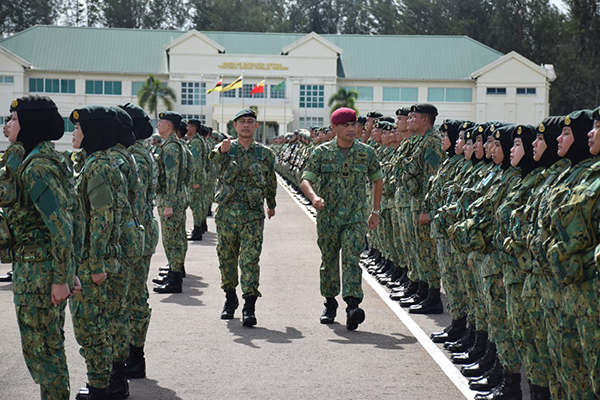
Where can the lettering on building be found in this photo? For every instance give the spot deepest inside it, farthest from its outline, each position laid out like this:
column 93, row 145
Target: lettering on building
column 249, row 65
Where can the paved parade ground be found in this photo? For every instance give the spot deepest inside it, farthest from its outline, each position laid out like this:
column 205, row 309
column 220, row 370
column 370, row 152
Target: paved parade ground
column 192, row 354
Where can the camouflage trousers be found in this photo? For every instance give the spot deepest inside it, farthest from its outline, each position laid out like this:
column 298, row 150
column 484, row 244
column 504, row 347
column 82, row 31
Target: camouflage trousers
column 523, row 334
column 465, row 280
column 117, row 289
column 475, row 289
column 426, row 253
column 198, row 206
column 89, row 313
column 43, row 343
column 137, row 302
column 457, row 298
column 239, row 243
column 398, row 251
column 386, row 237
column 543, row 373
column 174, row 238
column 410, row 244
column 347, row 238
column 499, row 329
column 581, row 304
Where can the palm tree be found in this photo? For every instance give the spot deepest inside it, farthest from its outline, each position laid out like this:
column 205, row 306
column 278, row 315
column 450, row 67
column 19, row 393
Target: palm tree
column 151, row 91
column 343, row 98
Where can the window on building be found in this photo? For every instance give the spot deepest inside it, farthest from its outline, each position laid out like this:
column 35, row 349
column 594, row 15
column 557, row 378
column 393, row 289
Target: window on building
column 202, row 118
column 312, row 96
column 135, row 87
column 69, row 126
column 364, row 93
column 41, row 85
column 278, row 91
column 450, row 95
column 492, row 90
column 193, row 93
column 306, row 123
column 526, row 91
column 7, row 79
column 103, row 87
column 400, row 94
column 229, row 93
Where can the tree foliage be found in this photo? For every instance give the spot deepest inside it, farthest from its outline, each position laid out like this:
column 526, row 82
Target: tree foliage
column 154, row 90
column 343, row 98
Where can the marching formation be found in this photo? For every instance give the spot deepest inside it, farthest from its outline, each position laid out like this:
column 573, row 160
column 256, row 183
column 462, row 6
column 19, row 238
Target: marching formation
column 505, row 216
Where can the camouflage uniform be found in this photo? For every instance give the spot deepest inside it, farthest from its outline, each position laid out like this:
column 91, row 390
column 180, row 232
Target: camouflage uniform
column 247, row 178
column 200, row 158
column 89, row 308
column 418, row 168
column 341, row 224
column 139, row 309
column 41, row 227
column 172, row 192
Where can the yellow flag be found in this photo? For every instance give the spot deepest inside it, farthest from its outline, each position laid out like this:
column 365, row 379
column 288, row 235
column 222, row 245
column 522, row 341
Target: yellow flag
column 234, row 85
column 217, row 88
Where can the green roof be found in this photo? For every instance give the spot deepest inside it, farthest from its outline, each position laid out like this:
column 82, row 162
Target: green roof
column 141, row 51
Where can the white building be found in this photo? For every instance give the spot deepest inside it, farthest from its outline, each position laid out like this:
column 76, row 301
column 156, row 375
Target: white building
column 462, row 77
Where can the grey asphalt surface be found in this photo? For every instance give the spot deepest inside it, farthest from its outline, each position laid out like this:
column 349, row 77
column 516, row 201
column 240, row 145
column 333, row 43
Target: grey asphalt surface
column 192, row 354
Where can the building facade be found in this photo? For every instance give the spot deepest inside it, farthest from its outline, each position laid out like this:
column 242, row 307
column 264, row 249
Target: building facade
column 462, row 77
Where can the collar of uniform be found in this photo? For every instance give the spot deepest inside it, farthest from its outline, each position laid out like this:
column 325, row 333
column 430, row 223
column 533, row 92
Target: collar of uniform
column 251, row 147
column 42, row 147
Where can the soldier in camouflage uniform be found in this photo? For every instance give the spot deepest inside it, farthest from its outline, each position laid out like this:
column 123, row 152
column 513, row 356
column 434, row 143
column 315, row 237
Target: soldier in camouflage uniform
column 247, row 178
column 343, row 166
column 200, row 158
column 418, row 168
column 38, row 231
column 139, row 310
column 172, row 200
column 101, row 188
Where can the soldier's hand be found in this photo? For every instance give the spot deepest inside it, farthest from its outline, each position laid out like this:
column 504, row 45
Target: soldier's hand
column 196, row 186
column 168, row 212
column 373, row 221
column 59, row 293
column 99, row 278
column 225, row 146
column 424, row 218
column 318, row 203
column 76, row 287
column 270, row 212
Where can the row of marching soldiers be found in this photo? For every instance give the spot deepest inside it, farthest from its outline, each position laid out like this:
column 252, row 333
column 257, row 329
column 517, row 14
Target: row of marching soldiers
column 508, row 219
column 81, row 226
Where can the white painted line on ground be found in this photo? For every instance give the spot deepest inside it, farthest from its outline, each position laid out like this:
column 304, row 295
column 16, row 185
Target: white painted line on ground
column 434, row 351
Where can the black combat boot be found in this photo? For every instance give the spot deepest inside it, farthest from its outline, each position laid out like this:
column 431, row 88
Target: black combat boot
column 118, row 387
column 196, row 233
column 431, row 305
column 7, row 277
column 372, row 259
column 91, row 393
column 162, row 277
column 231, row 304
column 354, row 314
column 451, row 333
column 482, row 365
column 509, row 389
column 416, row 298
column 539, row 392
column 386, row 276
column 475, row 352
column 464, row 343
column 408, row 289
column 173, row 284
column 135, row 367
column 396, row 277
column 203, row 227
column 330, row 310
column 489, row 380
column 248, row 317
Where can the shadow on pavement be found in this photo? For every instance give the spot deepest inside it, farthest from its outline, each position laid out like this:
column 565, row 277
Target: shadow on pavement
column 149, row 389
column 247, row 336
column 395, row 341
column 191, row 291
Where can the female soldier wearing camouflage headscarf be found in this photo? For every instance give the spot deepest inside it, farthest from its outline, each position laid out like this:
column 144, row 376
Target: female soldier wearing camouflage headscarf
column 41, row 227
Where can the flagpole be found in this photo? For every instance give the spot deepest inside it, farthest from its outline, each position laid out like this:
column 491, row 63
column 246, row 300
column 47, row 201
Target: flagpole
column 265, row 111
column 305, row 96
column 284, row 112
column 243, row 94
column 221, row 96
column 201, row 106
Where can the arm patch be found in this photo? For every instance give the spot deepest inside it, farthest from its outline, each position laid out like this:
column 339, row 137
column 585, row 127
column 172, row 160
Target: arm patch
column 98, row 192
column 44, row 197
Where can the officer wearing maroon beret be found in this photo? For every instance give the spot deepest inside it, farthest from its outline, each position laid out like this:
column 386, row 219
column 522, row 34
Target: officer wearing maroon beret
column 342, row 167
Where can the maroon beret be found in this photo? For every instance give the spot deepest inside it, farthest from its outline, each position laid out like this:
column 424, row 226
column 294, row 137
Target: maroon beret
column 343, row 115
